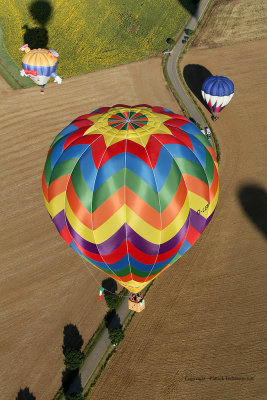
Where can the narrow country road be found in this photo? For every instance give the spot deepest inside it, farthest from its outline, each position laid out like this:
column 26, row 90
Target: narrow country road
column 97, row 353
column 172, row 66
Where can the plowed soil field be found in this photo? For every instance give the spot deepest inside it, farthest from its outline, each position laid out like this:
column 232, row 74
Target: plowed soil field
column 231, row 21
column 44, row 285
column 203, row 333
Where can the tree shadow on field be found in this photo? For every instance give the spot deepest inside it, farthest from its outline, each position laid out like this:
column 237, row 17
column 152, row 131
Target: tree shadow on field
column 194, row 76
column 112, row 320
column 71, row 381
column 72, row 339
column 41, row 12
column 110, row 285
column 253, row 199
column 190, row 5
column 24, row 394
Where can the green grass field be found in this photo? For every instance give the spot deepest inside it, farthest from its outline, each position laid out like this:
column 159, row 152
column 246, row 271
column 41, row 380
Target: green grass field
column 95, row 34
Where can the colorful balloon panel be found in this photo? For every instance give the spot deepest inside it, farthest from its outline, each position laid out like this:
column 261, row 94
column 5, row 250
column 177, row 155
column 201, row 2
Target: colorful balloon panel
column 217, row 91
column 40, row 65
column 130, row 189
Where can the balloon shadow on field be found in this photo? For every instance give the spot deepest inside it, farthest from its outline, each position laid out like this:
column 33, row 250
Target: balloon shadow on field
column 72, row 339
column 253, row 199
column 194, row 76
column 190, row 5
column 41, row 12
column 110, row 285
column 25, row 394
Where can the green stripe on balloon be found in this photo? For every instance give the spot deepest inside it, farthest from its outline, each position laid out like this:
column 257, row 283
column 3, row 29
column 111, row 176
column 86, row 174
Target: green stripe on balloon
column 189, row 167
column 63, row 168
column 57, row 139
column 48, row 169
column 170, row 186
column 209, row 168
column 81, row 188
column 108, row 188
column 143, row 190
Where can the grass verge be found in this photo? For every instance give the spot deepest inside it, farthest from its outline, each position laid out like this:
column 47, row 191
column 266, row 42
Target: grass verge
column 173, row 90
column 10, row 71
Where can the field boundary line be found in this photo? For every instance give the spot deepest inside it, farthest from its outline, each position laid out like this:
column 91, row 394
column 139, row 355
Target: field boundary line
column 8, row 69
column 198, row 114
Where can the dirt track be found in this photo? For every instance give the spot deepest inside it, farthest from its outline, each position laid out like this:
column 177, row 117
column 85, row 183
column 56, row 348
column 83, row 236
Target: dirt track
column 206, row 316
column 44, row 285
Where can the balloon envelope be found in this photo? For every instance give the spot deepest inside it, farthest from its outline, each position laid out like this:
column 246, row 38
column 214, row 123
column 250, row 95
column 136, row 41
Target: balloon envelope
column 130, row 189
column 217, row 92
column 40, row 65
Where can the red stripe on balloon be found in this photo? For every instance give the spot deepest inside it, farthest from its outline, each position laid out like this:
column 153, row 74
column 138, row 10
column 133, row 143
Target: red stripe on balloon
column 192, row 235
column 44, row 187
column 65, row 234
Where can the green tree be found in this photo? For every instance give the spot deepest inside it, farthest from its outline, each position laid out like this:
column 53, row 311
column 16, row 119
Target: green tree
column 116, row 335
column 75, row 396
column 111, row 300
column 170, row 40
column 73, row 358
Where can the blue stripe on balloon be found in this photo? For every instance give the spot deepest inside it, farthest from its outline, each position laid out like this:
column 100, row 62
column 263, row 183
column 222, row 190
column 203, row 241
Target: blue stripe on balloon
column 163, row 167
column 109, row 168
column 41, row 70
column 88, row 168
column 115, row 267
column 199, row 151
column 186, row 246
column 180, row 151
column 68, row 130
column 100, row 264
column 168, row 111
column 218, row 86
column 74, row 247
column 148, row 267
column 73, row 152
column 57, row 152
column 133, row 164
column 140, row 168
column 190, row 128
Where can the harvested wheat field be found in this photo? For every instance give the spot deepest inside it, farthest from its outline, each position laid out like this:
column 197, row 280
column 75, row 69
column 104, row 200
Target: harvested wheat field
column 203, row 333
column 44, row 285
column 231, row 21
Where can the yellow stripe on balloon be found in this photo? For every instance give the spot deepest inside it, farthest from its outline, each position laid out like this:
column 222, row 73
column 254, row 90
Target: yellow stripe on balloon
column 152, row 234
column 214, row 202
column 115, row 222
column 197, row 202
column 99, row 235
column 78, row 226
column 46, row 204
column 133, row 286
column 57, row 204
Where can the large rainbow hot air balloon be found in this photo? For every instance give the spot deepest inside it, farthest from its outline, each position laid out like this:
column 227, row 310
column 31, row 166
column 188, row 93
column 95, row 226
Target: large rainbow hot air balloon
column 217, row 91
column 130, row 189
column 40, row 65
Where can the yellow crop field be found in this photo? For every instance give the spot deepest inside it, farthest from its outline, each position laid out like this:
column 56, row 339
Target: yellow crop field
column 95, row 34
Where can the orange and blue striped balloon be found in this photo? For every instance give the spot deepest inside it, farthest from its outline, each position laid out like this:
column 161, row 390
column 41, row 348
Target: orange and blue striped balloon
column 130, row 189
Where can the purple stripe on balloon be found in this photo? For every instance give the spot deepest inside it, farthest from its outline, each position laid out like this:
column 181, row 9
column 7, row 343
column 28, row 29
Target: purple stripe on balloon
column 140, row 243
column 170, row 244
column 60, row 220
column 196, row 220
column 112, row 243
column 81, row 241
